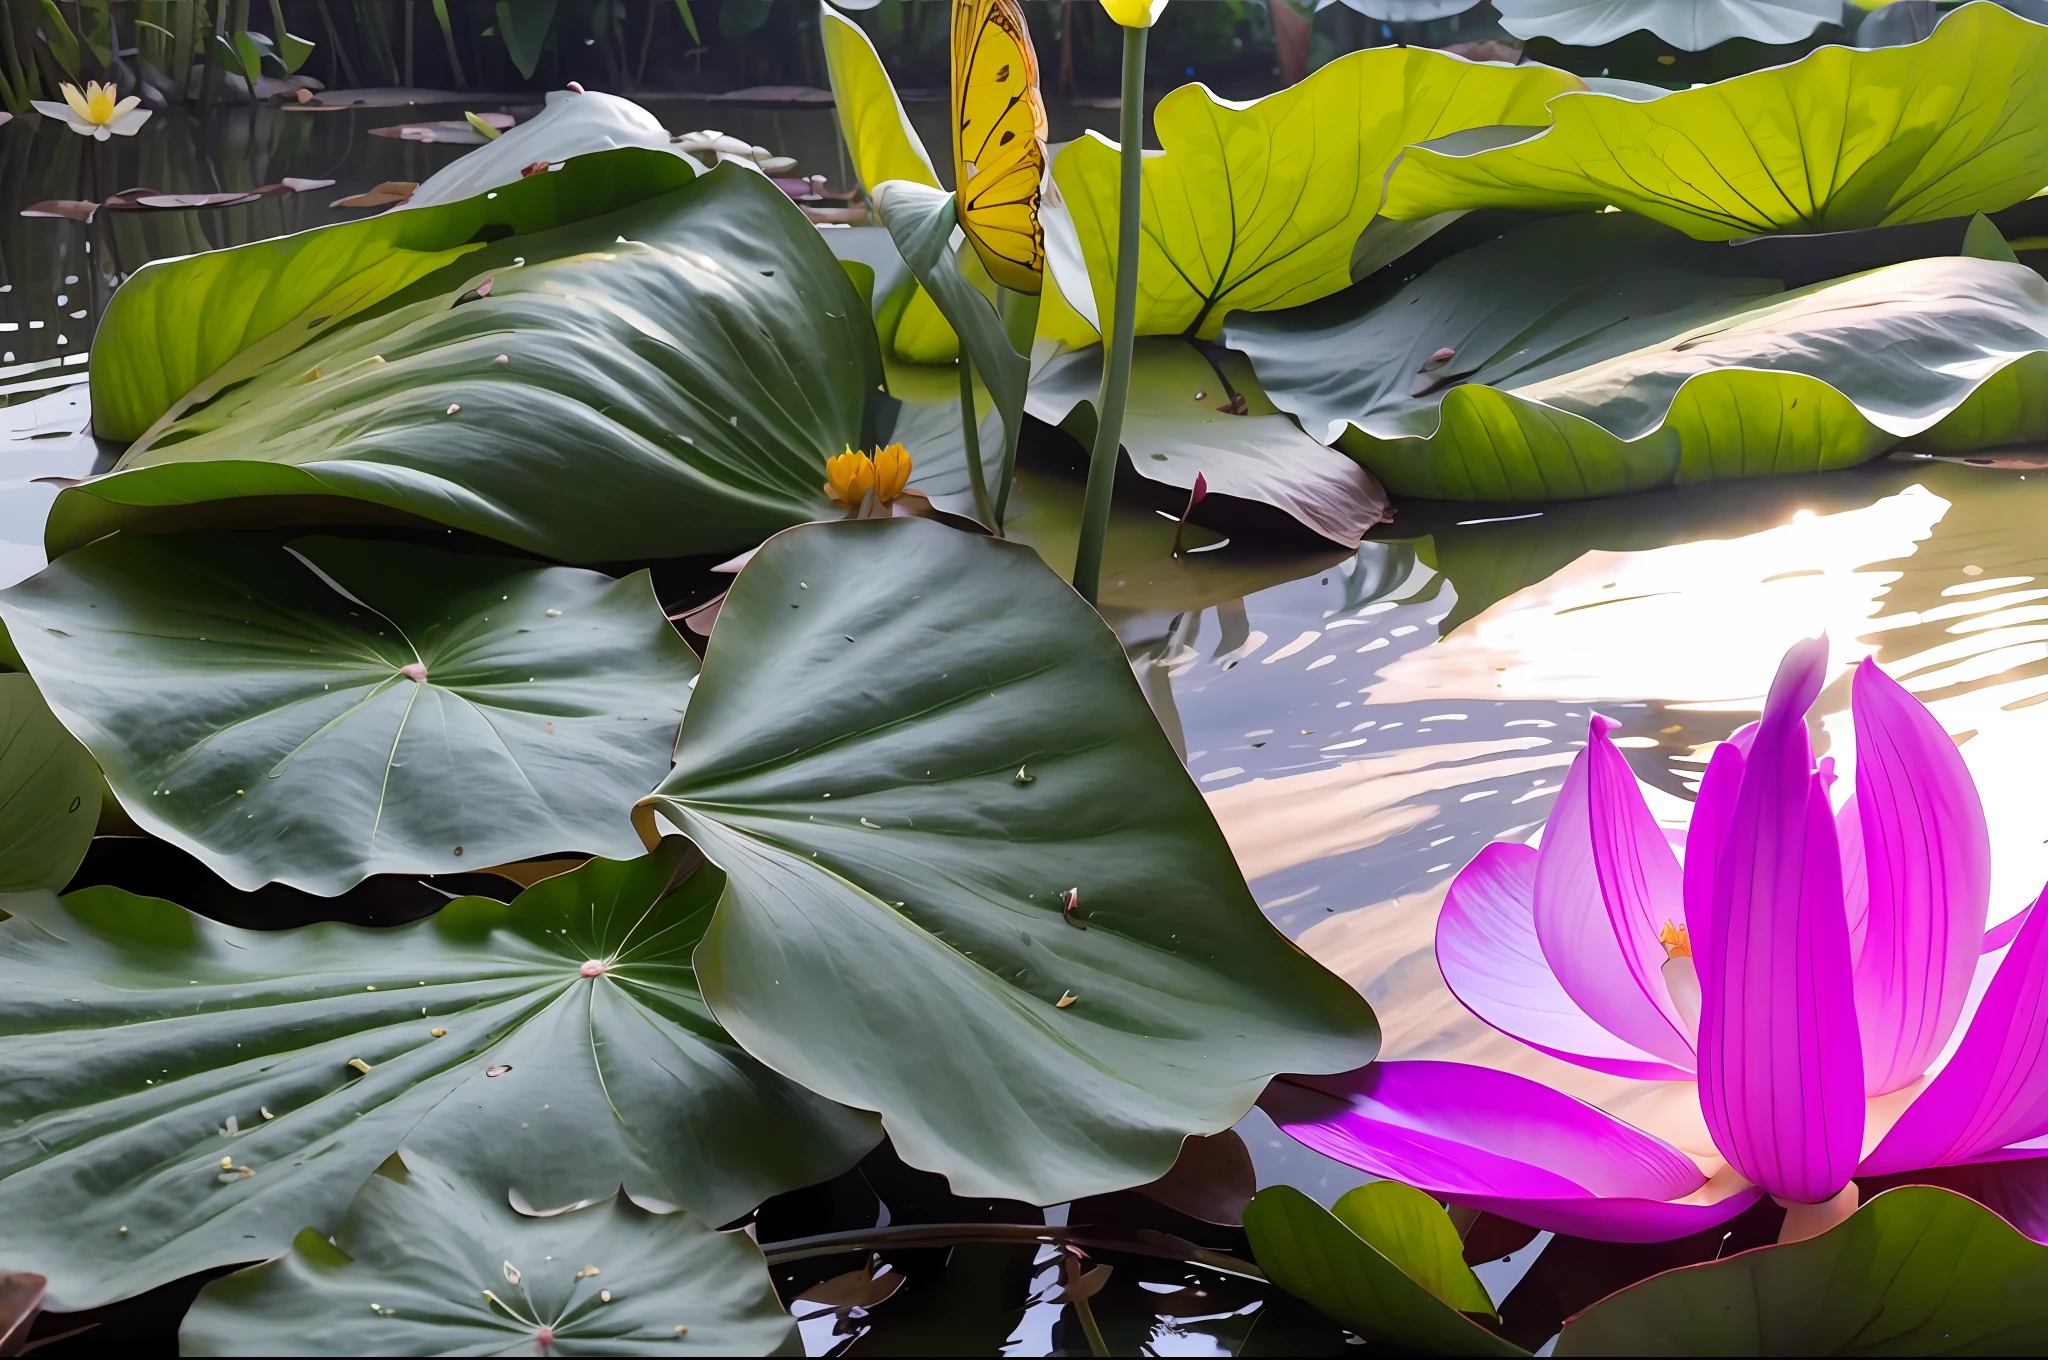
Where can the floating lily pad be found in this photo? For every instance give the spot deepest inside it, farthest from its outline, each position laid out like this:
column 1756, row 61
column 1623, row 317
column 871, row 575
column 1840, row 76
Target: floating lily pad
column 971, row 886
column 1592, row 356
column 1839, row 139
column 663, row 381
column 183, row 1095
column 320, row 712
column 427, row 1262
column 1258, row 205
column 1917, row 1271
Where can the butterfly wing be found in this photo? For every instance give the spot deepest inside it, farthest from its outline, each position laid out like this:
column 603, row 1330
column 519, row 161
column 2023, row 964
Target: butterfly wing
column 999, row 140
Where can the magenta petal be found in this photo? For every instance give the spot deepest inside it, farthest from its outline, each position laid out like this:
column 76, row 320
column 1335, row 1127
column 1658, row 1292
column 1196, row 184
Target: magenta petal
column 2008, row 930
column 1994, row 1092
column 1780, row 1064
column 1855, row 875
column 1929, row 858
column 1486, row 948
column 1573, row 920
column 1712, row 811
column 1639, row 877
column 1496, row 1141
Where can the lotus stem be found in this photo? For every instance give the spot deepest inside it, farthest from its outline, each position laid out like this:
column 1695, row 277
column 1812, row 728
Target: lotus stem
column 1020, row 323
column 970, row 433
column 1116, row 360
column 1085, row 1314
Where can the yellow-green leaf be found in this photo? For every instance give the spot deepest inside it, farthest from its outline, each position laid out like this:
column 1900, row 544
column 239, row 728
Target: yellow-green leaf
column 878, row 133
column 1952, row 125
column 1258, row 205
column 1413, row 1231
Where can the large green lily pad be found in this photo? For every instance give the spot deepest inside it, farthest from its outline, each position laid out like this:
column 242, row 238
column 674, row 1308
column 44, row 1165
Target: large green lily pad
column 1196, row 410
column 175, row 322
column 426, row 1262
column 662, row 381
column 318, row 712
column 1258, row 205
column 1588, row 356
column 1917, row 1271
column 145, row 1044
column 49, row 792
column 1321, row 1258
column 1839, row 139
column 908, row 745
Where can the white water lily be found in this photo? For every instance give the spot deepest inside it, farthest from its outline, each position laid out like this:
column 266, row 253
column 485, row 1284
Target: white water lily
column 94, row 112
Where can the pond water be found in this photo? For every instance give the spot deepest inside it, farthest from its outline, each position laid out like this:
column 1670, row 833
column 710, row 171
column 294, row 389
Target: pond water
column 1361, row 723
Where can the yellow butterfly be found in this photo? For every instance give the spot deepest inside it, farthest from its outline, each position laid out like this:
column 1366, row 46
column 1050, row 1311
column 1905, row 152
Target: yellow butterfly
column 999, row 140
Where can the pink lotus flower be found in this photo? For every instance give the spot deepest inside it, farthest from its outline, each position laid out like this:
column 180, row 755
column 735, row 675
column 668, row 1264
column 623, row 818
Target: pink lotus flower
column 1807, row 969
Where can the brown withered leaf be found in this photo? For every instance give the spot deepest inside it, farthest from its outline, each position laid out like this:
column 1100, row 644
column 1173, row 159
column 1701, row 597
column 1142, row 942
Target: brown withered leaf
column 391, row 191
column 1211, row 1180
column 864, row 1288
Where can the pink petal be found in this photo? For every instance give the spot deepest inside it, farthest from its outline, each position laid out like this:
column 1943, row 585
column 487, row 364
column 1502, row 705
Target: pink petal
column 1780, row 1064
column 1496, row 1141
column 1712, row 812
column 1994, row 1092
column 1639, row 878
column 1486, row 948
column 1929, row 858
column 1575, row 923
column 2008, row 930
column 1855, row 874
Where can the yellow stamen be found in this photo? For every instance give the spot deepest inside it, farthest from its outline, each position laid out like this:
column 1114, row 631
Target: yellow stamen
column 892, row 472
column 1676, row 941
column 99, row 103
column 849, row 477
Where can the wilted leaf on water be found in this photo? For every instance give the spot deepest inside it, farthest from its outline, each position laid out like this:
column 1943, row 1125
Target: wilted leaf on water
column 851, row 760
column 868, row 1287
column 1838, row 139
column 664, row 381
column 78, row 210
column 1916, row 1271
column 21, row 1301
column 1212, row 1179
column 382, row 195
column 330, row 709
column 424, row 1264
column 554, row 1049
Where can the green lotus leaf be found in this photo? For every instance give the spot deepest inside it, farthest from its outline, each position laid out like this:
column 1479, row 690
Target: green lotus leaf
column 320, row 712
column 49, row 792
column 1378, row 1281
column 1916, row 1271
column 573, row 123
column 427, row 1262
column 1593, row 356
column 1178, row 425
column 1690, row 25
column 970, row 885
column 1838, row 139
column 146, row 1044
column 1259, row 205
column 176, row 322
column 663, row 381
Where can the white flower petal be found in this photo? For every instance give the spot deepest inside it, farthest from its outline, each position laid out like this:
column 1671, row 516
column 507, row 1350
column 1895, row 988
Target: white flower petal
column 51, row 108
column 128, row 123
column 122, row 108
column 99, row 134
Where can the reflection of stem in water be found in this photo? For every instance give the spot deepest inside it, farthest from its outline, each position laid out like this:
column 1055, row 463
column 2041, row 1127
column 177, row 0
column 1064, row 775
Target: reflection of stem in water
column 1237, row 627
column 1145, row 1242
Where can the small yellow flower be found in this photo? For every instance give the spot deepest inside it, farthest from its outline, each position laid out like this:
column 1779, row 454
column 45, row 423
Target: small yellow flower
column 94, row 112
column 848, row 478
column 892, row 472
column 1134, row 13
column 1677, row 941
